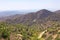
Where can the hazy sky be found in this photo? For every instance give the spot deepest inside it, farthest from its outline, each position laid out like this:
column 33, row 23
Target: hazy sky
column 29, row 4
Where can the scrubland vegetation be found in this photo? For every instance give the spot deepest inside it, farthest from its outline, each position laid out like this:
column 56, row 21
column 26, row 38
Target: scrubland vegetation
column 24, row 32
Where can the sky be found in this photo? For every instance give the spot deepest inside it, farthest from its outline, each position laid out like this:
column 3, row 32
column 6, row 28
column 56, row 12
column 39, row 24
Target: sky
column 29, row 5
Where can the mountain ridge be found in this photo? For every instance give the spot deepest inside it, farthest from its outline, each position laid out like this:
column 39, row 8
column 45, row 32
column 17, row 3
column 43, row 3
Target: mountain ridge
column 40, row 16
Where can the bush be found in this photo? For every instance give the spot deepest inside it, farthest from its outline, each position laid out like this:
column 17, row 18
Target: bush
column 5, row 34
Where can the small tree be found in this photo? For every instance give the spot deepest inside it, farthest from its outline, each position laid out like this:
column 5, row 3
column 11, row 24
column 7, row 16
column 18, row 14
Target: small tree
column 5, row 33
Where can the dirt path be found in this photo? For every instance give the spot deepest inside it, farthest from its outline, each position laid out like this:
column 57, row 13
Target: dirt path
column 41, row 34
column 54, row 36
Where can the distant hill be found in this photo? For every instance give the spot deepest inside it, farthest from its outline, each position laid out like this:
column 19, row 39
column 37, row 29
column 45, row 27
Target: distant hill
column 40, row 16
column 58, row 11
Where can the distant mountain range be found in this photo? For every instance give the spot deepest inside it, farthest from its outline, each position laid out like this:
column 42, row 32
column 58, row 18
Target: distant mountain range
column 39, row 17
column 9, row 13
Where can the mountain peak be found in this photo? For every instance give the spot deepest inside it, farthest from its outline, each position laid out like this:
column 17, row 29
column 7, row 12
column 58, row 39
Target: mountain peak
column 45, row 10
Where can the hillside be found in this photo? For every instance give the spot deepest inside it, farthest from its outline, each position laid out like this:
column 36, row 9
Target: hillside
column 40, row 25
column 40, row 16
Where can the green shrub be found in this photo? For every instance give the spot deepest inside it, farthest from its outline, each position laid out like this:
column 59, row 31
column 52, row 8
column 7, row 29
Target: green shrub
column 5, row 34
